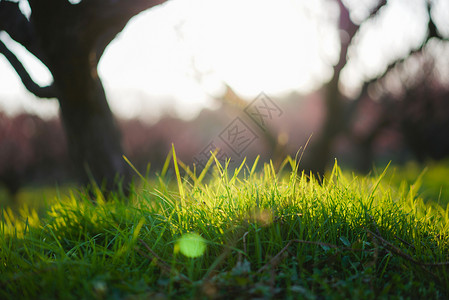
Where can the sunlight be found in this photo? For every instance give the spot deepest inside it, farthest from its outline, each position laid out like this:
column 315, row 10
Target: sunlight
column 406, row 28
column 186, row 51
column 177, row 57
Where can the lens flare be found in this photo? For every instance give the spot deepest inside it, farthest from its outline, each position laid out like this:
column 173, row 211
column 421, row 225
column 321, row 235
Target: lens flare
column 192, row 245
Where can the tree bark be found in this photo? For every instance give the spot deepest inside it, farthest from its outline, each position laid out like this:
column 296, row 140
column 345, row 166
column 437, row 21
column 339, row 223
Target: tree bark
column 92, row 133
column 70, row 39
column 336, row 120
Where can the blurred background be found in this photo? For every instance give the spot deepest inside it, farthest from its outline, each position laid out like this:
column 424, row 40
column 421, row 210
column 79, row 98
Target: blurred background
column 365, row 82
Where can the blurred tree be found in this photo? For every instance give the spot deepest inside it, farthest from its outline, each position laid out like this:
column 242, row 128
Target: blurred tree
column 340, row 110
column 32, row 151
column 69, row 39
column 418, row 107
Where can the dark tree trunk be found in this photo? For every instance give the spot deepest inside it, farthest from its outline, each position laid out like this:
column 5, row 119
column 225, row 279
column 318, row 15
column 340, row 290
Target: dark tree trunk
column 70, row 39
column 93, row 136
column 337, row 109
column 321, row 148
column 92, row 133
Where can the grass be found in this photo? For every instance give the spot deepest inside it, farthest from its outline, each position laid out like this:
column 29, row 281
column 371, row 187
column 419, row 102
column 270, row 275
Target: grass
column 244, row 234
column 432, row 180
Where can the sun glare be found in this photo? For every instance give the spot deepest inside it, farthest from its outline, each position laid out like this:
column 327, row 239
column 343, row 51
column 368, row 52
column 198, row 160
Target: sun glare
column 186, row 51
column 178, row 56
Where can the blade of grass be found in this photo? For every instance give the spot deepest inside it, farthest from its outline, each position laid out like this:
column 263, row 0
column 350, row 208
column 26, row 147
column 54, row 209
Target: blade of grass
column 134, row 168
column 206, row 167
column 178, row 176
column 253, row 169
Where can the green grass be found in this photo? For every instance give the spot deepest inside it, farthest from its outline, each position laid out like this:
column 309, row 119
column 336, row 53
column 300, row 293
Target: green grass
column 244, row 234
column 433, row 180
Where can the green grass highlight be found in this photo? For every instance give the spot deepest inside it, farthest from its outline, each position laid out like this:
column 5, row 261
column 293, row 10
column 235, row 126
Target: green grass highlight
column 250, row 234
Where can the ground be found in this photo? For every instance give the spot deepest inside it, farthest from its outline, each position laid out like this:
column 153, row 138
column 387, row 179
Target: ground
column 250, row 233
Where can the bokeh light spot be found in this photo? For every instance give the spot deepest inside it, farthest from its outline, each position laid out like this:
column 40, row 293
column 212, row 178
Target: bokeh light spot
column 192, row 245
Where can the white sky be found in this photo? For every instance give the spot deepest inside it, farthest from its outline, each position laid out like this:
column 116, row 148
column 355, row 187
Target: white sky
column 177, row 56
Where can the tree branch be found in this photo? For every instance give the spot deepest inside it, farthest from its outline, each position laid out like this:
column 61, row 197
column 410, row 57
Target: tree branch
column 432, row 33
column 97, row 21
column 19, row 28
column 41, row 92
column 351, row 30
column 107, row 20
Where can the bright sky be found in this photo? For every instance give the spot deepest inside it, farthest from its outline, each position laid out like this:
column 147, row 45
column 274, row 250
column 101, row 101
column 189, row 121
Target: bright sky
column 178, row 55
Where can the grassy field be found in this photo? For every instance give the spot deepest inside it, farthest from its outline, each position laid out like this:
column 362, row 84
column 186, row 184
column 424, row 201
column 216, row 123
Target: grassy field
column 244, row 234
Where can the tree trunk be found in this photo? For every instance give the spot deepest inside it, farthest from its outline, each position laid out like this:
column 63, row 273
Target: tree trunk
column 337, row 112
column 321, row 149
column 92, row 133
column 70, row 51
column 69, row 39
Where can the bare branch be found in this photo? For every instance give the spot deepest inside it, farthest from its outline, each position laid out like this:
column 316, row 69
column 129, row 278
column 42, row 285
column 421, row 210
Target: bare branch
column 97, row 21
column 41, row 92
column 394, row 64
column 351, row 30
column 106, row 21
column 19, row 28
